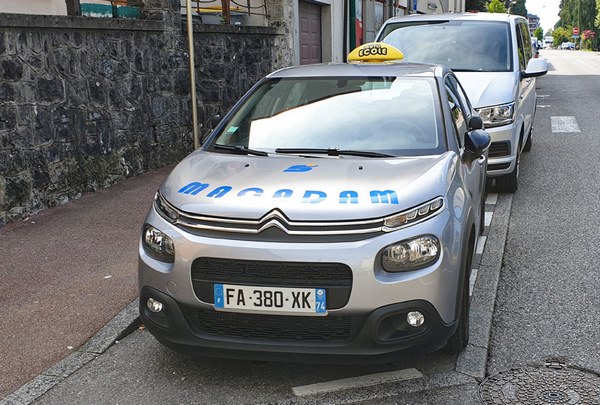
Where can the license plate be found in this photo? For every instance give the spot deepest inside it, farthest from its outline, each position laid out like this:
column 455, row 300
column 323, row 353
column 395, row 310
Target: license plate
column 283, row 300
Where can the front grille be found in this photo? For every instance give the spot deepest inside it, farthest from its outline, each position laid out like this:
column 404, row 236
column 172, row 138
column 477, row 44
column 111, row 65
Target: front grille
column 275, row 327
column 499, row 166
column 498, row 149
column 335, row 278
column 273, row 219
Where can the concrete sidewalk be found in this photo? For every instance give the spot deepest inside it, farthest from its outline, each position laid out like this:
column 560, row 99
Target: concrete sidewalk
column 66, row 272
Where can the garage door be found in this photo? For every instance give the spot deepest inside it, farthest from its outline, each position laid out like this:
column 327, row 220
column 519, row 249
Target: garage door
column 310, row 33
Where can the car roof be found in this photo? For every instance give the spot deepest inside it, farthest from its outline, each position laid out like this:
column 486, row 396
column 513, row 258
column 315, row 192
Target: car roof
column 359, row 70
column 456, row 17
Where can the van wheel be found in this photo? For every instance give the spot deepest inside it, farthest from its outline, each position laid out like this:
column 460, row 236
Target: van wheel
column 509, row 183
column 458, row 341
column 529, row 142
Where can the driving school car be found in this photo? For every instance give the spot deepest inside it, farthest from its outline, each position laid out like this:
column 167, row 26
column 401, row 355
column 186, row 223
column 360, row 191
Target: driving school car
column 332, row 214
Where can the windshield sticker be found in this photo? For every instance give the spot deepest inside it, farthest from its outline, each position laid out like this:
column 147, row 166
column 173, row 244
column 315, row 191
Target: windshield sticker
column 307, row 197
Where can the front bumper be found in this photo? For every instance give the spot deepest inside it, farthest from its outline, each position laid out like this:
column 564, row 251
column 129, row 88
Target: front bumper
column 501, row 165
column 379, row 336
column 370, row 325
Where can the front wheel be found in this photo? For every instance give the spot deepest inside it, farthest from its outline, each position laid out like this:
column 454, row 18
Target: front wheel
column 509, row 183
column 458, row 341
column 529, row 143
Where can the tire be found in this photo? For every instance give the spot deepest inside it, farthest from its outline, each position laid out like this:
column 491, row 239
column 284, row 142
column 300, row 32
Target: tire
column 509, row 183
column 529, row 142
column 482, row 215
column 458, row 341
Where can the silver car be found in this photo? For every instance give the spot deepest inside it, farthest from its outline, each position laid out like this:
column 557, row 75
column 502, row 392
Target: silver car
column 493, row 58
column 332, row 214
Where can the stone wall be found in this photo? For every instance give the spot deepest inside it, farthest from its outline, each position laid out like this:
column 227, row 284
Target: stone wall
column 86, row 102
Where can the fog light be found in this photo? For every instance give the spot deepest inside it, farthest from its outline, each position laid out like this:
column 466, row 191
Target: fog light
column 415, row 318
column 154, row 305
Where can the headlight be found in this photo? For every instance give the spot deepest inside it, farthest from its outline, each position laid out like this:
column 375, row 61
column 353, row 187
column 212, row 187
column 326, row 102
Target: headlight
column 158, row 245
column 411, row 254
column 166, row 210
column 497, row 115
column 413, row 215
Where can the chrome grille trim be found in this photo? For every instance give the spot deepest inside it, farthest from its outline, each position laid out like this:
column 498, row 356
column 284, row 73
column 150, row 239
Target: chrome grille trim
column 274, row 218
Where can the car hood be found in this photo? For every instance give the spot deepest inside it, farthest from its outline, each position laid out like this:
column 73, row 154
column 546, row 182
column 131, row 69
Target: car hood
column 305, row 188
column 486, row 89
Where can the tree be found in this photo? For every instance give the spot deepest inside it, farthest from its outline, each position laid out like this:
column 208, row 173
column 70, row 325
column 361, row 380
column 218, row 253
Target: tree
column 539, row 32
column 518, row 8
column 496, row 6
column 562, row 34
column 582, row 14
column 476, row 5
column 597, row 21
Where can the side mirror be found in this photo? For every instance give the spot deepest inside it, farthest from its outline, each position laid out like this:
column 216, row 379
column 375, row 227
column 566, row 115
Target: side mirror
column 214, row 121
column 535, row 68
column 475, row 122
column 476, row 143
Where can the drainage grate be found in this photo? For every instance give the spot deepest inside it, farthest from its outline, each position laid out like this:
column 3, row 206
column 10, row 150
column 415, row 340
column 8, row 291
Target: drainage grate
column 544, row 385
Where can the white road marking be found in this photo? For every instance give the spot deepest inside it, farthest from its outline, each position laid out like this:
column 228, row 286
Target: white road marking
column 487, row 221
column 357, row 382
column 564, row 124
column 543, row 105
column 543, row 95
column 492, row 198
column 480, row 245
column 472, row 280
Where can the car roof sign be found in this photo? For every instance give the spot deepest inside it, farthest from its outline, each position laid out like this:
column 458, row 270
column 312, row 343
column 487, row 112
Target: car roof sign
column 375, row 52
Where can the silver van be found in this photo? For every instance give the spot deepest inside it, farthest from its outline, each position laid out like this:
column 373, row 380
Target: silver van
column 492, row 57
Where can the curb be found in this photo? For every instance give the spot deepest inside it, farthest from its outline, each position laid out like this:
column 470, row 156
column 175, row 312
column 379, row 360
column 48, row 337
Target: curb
column 473, row 360
column 117, row 328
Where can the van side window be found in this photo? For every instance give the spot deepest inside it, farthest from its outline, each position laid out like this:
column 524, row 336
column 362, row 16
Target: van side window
column 526, row 42
column 520, row 47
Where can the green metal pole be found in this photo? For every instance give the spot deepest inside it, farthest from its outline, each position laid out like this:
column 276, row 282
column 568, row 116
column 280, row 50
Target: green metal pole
column 352, row 25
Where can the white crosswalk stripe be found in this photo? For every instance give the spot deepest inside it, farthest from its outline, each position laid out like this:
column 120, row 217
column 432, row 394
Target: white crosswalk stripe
column 564, row 124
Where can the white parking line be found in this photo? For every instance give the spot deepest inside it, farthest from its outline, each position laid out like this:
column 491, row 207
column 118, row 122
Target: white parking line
column 492, row 198
column 472, row 280
column 357, row 382
column 487, row 221
column 480, row 245
column 564, row 124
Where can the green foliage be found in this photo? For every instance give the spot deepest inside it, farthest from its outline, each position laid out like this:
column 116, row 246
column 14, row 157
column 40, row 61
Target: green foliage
column 562, row 34
column 496, row 6
column 476, row 5
column 519, row 8
column 584, row 14
column 539, row 32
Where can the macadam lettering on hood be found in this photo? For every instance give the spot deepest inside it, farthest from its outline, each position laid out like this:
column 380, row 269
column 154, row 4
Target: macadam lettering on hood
column 308, row 197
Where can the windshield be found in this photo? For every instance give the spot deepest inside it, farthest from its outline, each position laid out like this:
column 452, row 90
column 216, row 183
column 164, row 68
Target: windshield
column 388, row 115
column 461, row 45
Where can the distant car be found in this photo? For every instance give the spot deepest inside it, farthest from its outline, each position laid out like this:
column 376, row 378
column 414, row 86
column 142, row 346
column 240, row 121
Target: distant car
column 567, row 45
column 333, row 212
column 499, row 79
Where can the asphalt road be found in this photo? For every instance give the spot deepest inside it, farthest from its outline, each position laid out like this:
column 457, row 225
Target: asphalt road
column 548, row 299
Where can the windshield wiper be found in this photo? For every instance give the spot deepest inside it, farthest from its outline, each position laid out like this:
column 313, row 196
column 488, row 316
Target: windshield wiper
column 332, row 152
column 241, row 149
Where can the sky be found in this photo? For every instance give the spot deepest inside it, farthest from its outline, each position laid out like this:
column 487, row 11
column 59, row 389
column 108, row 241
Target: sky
column 547, row 10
